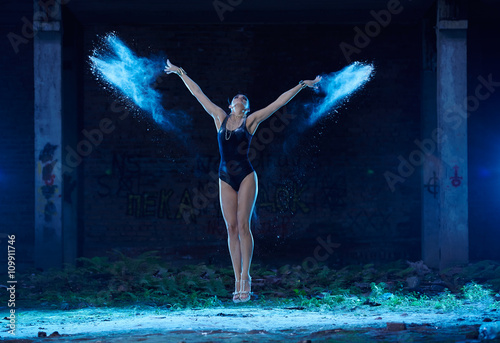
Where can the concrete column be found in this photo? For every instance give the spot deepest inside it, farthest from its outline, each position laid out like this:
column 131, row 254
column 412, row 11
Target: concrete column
column 452, row 123
column 48, row 135
column 430, row 167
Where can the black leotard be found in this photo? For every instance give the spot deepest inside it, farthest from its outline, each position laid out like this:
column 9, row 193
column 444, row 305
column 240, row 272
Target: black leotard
column 234, row 162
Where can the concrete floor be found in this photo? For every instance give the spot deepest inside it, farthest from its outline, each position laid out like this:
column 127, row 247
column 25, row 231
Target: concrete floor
column 248, row 323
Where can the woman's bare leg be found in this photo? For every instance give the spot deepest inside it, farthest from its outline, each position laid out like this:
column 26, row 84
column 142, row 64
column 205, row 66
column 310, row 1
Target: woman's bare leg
column 246, row 201
column 229, row 205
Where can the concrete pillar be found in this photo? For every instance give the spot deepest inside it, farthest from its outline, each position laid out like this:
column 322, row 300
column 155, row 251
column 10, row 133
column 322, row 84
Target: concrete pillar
column 430, row 167
column 452, row 123
column 48, row 135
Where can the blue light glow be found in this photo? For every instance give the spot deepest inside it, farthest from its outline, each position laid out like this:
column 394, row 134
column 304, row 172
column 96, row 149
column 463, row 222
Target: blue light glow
column 484, row 172
column 338, row 86
column 115, row 64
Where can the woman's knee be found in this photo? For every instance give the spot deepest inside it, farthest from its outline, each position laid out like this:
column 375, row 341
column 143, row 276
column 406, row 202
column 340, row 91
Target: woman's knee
column 232, row 229
column 244, row 228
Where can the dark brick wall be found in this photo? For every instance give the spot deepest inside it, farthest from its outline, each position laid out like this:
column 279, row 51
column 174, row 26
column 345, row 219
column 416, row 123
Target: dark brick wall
column 16, row 140
column 324, row 181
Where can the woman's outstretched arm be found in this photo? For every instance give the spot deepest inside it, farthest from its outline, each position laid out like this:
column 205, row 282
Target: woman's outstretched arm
column 259, row 116
column 215, row 111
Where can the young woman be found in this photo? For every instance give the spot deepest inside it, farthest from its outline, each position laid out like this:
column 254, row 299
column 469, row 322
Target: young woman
column 237, row 178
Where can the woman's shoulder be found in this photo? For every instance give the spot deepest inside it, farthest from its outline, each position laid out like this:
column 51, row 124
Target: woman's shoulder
column 221, row 119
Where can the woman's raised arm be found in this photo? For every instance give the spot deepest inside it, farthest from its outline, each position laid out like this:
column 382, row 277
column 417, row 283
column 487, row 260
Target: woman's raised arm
column 215, row 111
column 259, row 116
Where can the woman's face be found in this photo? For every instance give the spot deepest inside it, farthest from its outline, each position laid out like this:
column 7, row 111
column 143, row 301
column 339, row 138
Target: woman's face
column 241, row 99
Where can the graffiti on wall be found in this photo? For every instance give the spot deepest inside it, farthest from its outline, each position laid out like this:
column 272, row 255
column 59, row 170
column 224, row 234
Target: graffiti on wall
column 283, row 198
column 48, row 189
column 124, row 177
column 432, row 185
column 456, row 180
column 150, row 204
column 140, row 195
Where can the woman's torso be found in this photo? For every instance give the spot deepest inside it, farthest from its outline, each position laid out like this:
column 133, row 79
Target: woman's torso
column 234, row 144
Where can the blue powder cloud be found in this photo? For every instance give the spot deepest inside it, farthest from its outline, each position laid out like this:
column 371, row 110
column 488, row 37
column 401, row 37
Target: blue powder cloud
column 337, row 87
column 115, row 64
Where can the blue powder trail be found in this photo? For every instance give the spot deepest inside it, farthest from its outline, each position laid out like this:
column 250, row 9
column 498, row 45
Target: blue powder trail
column 335, row 89
column 115, row 64
column 339, row 86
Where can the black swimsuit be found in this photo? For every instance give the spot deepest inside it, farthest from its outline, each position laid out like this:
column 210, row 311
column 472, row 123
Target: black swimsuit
column 234, row 162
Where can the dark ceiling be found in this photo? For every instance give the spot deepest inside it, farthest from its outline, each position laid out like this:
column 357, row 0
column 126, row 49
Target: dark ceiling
column 140, row 12
column 203, row 11
column 243, row 11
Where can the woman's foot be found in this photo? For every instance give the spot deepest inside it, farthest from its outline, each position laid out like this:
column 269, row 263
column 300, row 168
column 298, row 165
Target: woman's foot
column 246, row 288
column 236, row 293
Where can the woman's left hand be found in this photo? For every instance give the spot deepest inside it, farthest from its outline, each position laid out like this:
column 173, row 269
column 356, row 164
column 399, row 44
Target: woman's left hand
column 313, row 83
column 170, row 68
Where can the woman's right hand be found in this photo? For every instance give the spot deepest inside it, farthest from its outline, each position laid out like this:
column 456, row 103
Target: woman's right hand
column 313, row 83
column 170, row 68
